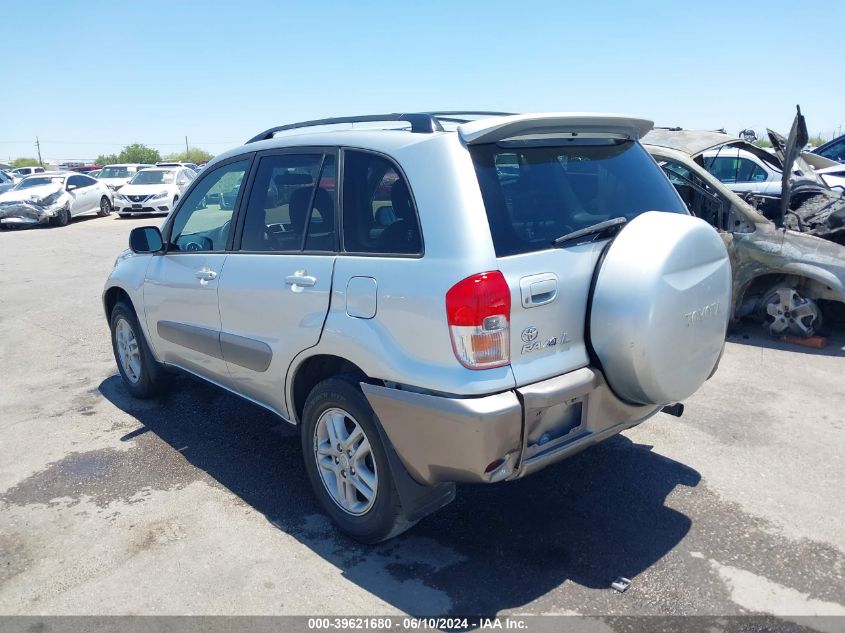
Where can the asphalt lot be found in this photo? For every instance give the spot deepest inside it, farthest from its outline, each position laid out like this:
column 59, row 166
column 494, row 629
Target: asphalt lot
column 197, row 504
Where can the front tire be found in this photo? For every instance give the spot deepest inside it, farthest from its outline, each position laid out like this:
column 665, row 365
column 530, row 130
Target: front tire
column 62, row 218
column 347, row 463
column 142, row 375
column 105, row 207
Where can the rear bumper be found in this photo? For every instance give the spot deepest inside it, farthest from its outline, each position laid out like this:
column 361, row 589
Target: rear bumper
column 504, row 436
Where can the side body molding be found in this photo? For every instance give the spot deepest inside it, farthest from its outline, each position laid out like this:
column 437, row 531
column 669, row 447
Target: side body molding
column 239, row 350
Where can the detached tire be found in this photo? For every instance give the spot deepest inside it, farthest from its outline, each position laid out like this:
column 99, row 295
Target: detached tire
column 347, row 464
column 142, row 375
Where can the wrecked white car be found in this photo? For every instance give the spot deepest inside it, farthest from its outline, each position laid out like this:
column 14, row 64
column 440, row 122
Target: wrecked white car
column 758, row 176
column 786, row 279
column 53, row 198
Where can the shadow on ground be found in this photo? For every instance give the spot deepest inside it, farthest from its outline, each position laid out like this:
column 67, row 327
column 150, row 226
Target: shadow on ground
column 753, row 334
column 588, row 520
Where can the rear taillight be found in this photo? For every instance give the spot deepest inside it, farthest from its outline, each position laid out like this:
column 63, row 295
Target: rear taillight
column 478, row 310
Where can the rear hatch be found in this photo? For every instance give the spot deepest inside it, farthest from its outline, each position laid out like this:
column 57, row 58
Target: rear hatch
column 545, row 177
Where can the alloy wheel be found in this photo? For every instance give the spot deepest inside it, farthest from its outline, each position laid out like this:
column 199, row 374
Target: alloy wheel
column 128, row 350
column 345, row 461
column 789, row 312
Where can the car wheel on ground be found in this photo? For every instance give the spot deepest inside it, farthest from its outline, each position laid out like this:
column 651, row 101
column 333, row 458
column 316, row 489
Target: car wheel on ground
column 142, row 375
column 784, row 310
column 347, row 463
column 105, row 207
column 62, row 218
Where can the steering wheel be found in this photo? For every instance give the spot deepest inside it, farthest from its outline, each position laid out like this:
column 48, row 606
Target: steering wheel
column 193, row 246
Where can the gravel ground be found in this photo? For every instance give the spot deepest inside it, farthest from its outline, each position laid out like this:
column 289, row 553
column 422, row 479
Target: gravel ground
column 197, row 503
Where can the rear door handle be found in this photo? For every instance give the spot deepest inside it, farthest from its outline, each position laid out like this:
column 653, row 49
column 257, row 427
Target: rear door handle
column 205, row 275
column 538, row 290
column 300, row 278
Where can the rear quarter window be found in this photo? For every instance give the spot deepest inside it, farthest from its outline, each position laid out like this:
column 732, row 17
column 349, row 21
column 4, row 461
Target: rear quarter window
column 534, row 194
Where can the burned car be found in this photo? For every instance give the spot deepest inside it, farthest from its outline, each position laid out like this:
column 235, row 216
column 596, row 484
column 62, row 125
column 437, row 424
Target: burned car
column 783, row 278
column 54, row 198
column 810, row 204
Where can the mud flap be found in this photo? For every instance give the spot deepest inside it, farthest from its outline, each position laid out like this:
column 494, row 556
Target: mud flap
column 418, row 501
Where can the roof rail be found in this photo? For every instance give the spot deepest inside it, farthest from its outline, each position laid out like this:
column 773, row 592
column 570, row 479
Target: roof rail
column 421, row 123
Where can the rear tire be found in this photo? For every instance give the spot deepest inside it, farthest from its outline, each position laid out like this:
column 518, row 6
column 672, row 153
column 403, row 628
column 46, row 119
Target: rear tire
column 105, row 207
column 142, row 375
column 336, row 412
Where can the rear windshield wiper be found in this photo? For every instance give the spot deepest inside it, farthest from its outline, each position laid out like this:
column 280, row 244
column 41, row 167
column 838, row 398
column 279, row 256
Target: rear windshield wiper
column 593, row 229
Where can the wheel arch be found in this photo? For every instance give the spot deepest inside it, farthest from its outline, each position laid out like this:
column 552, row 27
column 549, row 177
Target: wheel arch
column 112, row 296
column 810, row 281
column 311, row 370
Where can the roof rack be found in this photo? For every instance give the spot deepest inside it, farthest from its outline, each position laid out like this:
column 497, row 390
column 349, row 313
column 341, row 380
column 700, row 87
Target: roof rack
column 421, row 122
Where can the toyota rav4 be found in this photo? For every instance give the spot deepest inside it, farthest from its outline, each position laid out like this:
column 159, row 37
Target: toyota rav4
column 431, row 298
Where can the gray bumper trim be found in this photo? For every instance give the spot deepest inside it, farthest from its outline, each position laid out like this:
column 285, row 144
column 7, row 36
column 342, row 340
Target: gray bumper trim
column 441, row 439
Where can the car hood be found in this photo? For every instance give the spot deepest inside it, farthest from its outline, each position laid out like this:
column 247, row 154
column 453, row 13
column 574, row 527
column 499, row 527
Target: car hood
column 114, row 181
column 24, row 195
column 145, row 190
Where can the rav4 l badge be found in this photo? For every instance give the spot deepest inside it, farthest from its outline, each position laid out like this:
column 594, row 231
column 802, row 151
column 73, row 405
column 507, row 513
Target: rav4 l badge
column 529, row 337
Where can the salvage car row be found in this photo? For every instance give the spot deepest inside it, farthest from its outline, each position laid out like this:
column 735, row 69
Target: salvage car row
column 54, row 197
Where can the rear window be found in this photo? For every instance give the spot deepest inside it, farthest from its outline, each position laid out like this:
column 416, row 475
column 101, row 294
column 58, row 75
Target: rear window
column 534, row 194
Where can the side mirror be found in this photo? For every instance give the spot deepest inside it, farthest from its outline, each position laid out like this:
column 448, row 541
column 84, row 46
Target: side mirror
column 146, row 239
column 71, row 187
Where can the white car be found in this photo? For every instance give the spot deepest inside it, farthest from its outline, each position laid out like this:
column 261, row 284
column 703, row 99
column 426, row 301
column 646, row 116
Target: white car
column 152, row 191
column 20, row 172
column 54, row 197
column 743, row 171
column 115, row 176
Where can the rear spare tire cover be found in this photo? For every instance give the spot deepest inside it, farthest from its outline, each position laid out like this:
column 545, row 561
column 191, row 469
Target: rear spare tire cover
column 660, row 307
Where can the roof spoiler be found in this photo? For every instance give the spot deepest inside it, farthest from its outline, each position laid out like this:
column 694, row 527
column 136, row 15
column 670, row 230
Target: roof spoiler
column 491, row 130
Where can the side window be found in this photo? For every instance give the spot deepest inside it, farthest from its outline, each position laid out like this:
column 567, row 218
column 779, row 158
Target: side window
column 75, row 181
column 203, row 222
column 733, row 170
column 378, row 210
column 835, row 151
column 87, row 181
column 701, row 199
column 278, row 215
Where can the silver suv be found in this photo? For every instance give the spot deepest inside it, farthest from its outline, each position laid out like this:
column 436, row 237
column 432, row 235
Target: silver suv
column 431, row 298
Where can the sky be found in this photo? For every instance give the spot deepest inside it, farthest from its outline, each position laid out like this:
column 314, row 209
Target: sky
column 88, row 78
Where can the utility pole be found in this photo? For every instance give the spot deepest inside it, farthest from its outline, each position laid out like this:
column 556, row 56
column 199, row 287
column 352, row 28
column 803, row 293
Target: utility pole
column 38, row 147
column 186, row 148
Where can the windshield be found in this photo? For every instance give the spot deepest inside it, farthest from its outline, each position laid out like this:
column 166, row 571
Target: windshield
column 39, row 181
column 153, row 177
column 533, row 194
column 115, row 172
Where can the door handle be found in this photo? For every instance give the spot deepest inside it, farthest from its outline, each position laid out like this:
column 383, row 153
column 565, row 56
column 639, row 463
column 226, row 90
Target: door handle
column 205, row 275
column 538, row 290
column 301, row 279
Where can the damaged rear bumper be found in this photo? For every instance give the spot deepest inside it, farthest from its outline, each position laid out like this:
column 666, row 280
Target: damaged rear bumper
column 503, row 436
